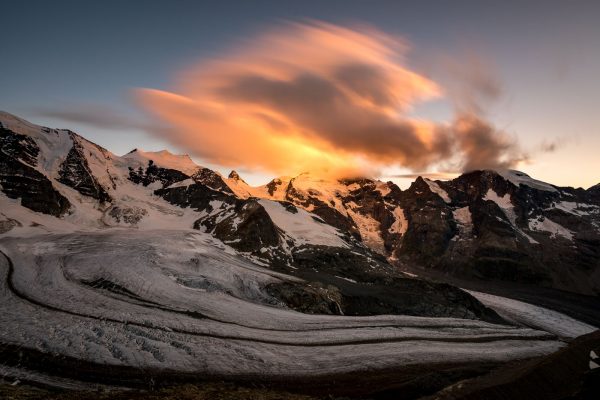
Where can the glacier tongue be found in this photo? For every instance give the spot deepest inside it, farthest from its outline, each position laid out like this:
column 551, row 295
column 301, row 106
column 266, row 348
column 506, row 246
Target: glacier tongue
column 175, row 300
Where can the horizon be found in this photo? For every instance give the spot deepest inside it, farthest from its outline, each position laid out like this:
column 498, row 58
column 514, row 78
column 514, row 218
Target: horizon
column 528, row 93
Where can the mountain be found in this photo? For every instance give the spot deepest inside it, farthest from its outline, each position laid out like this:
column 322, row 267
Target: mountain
column 57, row 181
column 508, row 226
column 166, row 271
column 491, row 225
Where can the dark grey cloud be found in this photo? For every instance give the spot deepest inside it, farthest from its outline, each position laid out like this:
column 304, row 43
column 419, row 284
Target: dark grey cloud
column 367, row 81
column 483, row 146
column 98, row 116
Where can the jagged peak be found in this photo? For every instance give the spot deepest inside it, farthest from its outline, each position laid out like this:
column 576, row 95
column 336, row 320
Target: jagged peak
column 595, row 188
column 235, row 176
column 419, row 186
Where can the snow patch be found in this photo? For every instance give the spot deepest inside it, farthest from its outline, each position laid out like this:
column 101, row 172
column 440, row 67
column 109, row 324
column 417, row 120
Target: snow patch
column 435, row 188
column 346, row 279
column 507, row 207
column 579, row 209
column 504, row 203
column 463, row 216
column 400, row 224
column 464, row 220
column 369, row 228
column 301, row 226
column 183, row 183
column 383, row 188
column 545, row 224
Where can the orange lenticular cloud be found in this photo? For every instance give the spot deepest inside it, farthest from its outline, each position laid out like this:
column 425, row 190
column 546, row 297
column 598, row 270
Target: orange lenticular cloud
column 305, row 97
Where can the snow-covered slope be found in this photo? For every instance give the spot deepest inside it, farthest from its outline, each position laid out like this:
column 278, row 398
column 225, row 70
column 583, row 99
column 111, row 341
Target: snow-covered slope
column 521, row 178
column 535, row 317
column 107, row 190
column 301, row 226
column 180, row 301
column 335, row 202
column 164, row 159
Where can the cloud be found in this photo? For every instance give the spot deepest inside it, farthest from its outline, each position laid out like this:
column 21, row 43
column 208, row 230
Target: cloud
column 317, row 97
column 92, row 114
column 555, row 144
column 485, row 147
column 470, row 82
column 548, row 147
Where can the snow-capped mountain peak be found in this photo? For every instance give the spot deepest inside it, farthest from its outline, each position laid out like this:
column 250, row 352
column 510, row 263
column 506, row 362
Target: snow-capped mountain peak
column 163, row 159
column 521, row 178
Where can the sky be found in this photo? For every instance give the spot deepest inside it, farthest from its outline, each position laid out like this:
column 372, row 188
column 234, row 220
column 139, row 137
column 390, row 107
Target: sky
column 385, row 88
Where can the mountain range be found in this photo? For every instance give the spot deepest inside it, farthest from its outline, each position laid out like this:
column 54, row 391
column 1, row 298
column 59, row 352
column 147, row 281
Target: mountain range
column 491, row 225
column 167, row 271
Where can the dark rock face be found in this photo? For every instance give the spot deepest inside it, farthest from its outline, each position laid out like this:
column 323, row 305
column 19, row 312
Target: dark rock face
column 242, row 224
column 211, row 179
column 530, row 233
column 313, row 298
column 329, row 214
column 430, row 224
column 503, row 242
column 18, row 178
column 416, row 297
column 594, row 193
column 19, row 147
column 235, row 176
column 248, row 228
column 127, row 215
column 8, row 224
column 368, row 202
column 197, row 196
column 75, row 172
column 153, row 173
column 379, row 295
column 359, row 263
column 372, row 203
